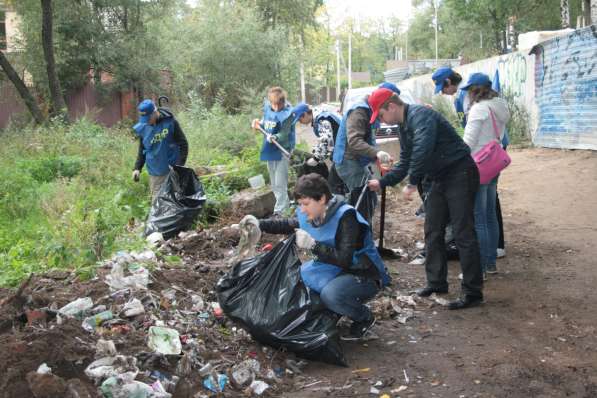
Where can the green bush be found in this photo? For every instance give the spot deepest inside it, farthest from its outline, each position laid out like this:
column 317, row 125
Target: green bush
column 67, row 199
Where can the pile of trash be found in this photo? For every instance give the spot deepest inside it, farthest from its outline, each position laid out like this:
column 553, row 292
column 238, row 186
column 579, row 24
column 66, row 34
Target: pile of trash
column 143, row 327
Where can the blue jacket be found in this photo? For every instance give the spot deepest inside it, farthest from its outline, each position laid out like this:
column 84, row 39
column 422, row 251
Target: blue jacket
column 315, row 274
column 159, row 147
column 280, row 124
column 342, row 139
column 428, row 145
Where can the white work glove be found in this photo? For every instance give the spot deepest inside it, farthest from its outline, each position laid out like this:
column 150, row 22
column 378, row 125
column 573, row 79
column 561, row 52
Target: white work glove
column 255, row 124
column 304, row 240
column 312, row 162
column 270, row 138
column 384, row 157
column 136, row 174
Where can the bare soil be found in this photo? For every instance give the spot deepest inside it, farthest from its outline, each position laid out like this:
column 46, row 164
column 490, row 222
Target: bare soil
column 534, row 336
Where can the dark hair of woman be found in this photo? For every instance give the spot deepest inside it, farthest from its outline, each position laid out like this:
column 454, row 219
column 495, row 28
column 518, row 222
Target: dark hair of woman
column 312, row 186
column 481, row 93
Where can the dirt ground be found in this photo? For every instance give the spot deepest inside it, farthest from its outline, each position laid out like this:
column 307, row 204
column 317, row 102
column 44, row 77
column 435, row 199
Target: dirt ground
column 535, row 336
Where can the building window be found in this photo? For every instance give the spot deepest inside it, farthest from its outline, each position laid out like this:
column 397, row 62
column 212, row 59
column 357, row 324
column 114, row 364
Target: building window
column 2, row 30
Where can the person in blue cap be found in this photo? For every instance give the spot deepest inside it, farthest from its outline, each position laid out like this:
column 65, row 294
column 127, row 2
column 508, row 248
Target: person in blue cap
column 278, row 123
column 162, row 144
column 487, row 120
column 346, row 270
column 448, row 82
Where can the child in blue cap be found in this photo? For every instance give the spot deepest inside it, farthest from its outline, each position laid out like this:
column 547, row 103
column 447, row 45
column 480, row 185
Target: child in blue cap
column 162, row 144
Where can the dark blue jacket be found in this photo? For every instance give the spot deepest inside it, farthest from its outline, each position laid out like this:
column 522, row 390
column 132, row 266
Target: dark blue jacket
column 428, row 145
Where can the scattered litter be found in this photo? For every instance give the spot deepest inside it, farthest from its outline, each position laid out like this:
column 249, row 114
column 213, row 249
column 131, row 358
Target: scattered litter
column 164, row 340
column 406, row 379
column 363, row 370
column 139, row 278
column 374, row 391
column 92, row 322
column 105, row 348
column 133, row 308
column 419, row 260
column 76, row 308
column 210, row 382
column 439, row 300
column 44, row 369
column 154, row 238
column 259, row 387
column 124, row 387
column 244, row 372
column 399, row 389
column 119, row 365
column 419, row 245
column 198, row 304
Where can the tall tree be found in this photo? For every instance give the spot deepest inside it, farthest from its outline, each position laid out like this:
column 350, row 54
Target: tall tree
column 58, row 104
column 21, row 89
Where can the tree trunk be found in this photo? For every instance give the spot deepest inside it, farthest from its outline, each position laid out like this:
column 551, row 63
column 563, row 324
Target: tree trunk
column 593, row 12
column 58, row 105
column 565, row 13
column 22, row 89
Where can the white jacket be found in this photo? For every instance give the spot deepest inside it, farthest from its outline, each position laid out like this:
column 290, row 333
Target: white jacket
column 479, row 128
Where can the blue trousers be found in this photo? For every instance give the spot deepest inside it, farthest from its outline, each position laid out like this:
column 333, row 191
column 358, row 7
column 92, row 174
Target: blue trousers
column 347, row 295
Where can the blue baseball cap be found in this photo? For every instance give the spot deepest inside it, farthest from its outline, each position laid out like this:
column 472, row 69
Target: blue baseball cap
column 439, row 77
column 300, row 110
column 390, row 86
column 477, row 79
column 145, row 108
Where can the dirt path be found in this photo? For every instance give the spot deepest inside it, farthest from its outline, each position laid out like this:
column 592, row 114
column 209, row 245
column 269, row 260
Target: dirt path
column 536, row 334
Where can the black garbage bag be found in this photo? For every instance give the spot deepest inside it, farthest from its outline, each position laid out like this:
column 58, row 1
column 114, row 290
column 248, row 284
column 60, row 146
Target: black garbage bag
column 177, row 204
column 267, row 297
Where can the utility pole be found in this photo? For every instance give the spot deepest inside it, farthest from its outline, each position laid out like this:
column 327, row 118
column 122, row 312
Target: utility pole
column 350, row 60
column 435, row 5
column 337, row 70
column 480, row 39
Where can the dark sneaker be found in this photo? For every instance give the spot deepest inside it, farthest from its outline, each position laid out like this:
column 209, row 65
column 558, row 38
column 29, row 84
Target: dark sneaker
column 465, row 302
column 359, row 330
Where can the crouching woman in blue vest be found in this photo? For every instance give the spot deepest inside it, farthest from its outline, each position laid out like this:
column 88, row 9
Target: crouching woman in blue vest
column 347, row 270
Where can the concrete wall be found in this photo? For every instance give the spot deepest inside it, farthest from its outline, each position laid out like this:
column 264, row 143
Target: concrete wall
column 557, row 84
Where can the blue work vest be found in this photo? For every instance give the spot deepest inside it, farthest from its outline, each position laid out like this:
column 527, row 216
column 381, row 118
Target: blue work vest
column 342, row 138
column 272, row 122
column 158, row 146
column 459, row 105
column 316, row 274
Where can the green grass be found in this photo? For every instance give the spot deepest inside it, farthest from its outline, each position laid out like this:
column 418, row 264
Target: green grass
column 67, row 199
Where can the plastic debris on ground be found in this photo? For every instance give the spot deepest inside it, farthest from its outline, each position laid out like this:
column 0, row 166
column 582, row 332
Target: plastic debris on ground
column 164, row 340
column 76, row 308
column 216, row 386
column 259, row 387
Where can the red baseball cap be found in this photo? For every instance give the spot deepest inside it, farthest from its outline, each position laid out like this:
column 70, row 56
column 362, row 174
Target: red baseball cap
column 376, row 100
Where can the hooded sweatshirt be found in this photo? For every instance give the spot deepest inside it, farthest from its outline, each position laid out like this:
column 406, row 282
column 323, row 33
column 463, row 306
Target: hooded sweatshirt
column 479, row 130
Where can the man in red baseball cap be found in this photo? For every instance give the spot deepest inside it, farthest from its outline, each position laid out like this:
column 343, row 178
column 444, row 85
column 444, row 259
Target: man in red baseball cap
column 430, row 146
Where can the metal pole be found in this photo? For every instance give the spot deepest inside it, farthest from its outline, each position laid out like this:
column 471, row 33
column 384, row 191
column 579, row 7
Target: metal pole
column 350, row 60
column 435, row 5
column 337, row 70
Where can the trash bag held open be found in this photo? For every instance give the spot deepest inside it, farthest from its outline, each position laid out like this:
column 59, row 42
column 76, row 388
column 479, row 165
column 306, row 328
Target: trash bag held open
column 266, row 295
column 177, row 204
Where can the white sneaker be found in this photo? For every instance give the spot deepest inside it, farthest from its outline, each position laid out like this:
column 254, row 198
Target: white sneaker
column 418, row 260
column 501, row 253
column 460, row 276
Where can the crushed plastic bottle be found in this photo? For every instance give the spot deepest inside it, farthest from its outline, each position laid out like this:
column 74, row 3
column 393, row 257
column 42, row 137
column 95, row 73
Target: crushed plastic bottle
column 92, row 322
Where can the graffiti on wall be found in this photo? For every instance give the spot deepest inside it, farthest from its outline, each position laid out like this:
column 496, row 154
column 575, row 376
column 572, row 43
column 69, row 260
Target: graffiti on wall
column 513, row 71
column 566, row 90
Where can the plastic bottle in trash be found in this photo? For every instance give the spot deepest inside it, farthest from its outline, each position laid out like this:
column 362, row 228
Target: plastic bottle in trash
column 77, row 307
column 90, row 323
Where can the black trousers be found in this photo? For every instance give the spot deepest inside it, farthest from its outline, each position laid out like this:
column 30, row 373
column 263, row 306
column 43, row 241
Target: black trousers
column 498, row 210
column 452, row 197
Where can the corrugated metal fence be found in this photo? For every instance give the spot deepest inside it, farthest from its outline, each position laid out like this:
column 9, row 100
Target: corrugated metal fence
column 556, row 83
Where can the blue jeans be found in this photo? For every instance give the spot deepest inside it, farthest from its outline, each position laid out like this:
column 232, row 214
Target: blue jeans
column 346, row 295
column 278, row 177
column 486, row 223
